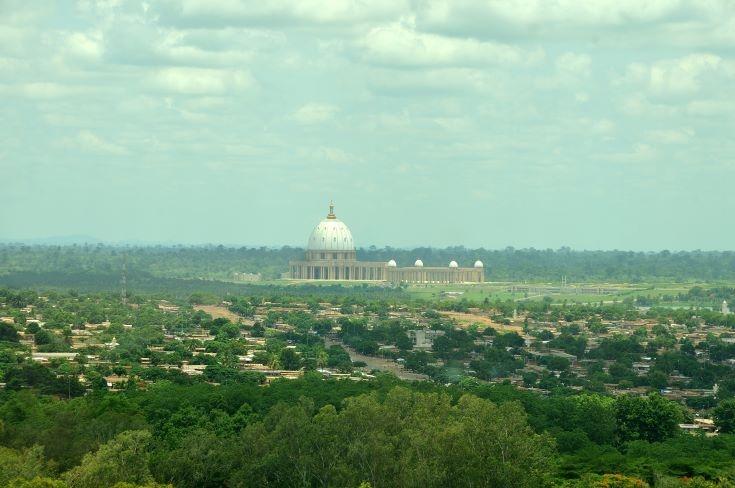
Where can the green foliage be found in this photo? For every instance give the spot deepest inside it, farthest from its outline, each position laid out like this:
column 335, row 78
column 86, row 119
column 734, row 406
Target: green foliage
column 651, row 418
column 724, row 416
column 25, row 464
column 314, row 431
column 289, row 359
column 608, row 481
column 38, row 482
column 409, row 439
column 8, row 333
column 152, row 268
column 122, row 459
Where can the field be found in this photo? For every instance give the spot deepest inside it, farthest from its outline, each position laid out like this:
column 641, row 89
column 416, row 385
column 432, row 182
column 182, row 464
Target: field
column 576, row 293
column 591, row 292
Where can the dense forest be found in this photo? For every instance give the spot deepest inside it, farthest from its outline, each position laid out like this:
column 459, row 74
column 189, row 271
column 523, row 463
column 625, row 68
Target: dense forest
column 22, row 264
column 312, row 432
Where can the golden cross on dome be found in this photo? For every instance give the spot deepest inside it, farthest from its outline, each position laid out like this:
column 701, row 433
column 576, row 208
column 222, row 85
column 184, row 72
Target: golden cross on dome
column 331, row 210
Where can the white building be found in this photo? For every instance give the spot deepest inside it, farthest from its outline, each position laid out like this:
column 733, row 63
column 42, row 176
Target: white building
column 331, row 255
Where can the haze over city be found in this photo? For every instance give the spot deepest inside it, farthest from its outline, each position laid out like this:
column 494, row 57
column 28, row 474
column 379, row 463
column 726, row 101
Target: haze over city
column 594, row 125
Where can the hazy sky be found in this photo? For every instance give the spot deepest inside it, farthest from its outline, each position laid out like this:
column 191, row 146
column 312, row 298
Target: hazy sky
column 593, row 124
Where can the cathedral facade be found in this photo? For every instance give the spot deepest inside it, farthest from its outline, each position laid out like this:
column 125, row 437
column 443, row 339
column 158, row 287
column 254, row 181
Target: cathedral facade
column 330, row 255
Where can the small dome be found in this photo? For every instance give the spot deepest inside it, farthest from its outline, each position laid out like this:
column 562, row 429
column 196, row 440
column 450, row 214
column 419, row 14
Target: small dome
column 392, row 263
column 453, row 264
column 478, row 264
column 418, row 263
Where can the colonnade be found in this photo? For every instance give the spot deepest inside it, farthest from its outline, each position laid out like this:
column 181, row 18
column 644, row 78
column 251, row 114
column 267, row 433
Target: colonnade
column 306, row 270
column 419, row 274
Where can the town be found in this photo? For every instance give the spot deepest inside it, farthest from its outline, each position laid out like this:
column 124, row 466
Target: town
column 686, row 355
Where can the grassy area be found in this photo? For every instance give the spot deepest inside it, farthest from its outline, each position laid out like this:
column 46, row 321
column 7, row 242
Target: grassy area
column 612, row 292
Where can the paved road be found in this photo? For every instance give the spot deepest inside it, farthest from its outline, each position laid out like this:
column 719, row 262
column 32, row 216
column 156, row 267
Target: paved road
column 378, row 363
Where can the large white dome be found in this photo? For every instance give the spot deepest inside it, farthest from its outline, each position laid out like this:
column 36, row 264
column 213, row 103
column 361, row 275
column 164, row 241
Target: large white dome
column 331, row 234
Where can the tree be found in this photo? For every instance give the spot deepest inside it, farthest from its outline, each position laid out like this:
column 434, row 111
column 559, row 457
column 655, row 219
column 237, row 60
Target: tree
column 43, row 337
column 595, row 415
column 289, row 359
column 658, row 379
column 651, row 418
column 609, row 481
column 495, row 446
column 202, row 459
column 37, row 482
column 724, row 416
column 122, row 459
column 403, row 342
column 8, row 333
column 25, row 464
column 509, row 339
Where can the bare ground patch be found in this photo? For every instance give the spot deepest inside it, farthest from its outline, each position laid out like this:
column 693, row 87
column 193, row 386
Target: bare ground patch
column 467, row 319
column 218, row 311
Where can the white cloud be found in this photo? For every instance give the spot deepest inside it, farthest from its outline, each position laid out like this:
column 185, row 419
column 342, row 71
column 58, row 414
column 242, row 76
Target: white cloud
column 610, row 22
column 671, row 136
column 336, row 155
column 573, row 66
column 408, row 84
column 601, row 126
column 680, row 76
column 638, row 153
column 401, row 46
column 84, row 46
column 639, row 105
column 201, row 81
column 534, row 12
column 314, row 113
column 275, row 12
column 712, row 107
column 88, row 141
column 327, row 154
column 45, row 90
column 569, row 69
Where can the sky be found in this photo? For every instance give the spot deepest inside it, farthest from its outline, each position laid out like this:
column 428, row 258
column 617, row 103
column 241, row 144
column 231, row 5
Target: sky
column 603, row 124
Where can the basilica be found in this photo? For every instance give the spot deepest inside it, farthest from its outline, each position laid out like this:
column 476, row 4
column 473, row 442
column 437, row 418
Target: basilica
column 330, row 255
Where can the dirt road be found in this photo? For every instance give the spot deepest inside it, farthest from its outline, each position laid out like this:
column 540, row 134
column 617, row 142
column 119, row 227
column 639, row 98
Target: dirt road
column 379, row 363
